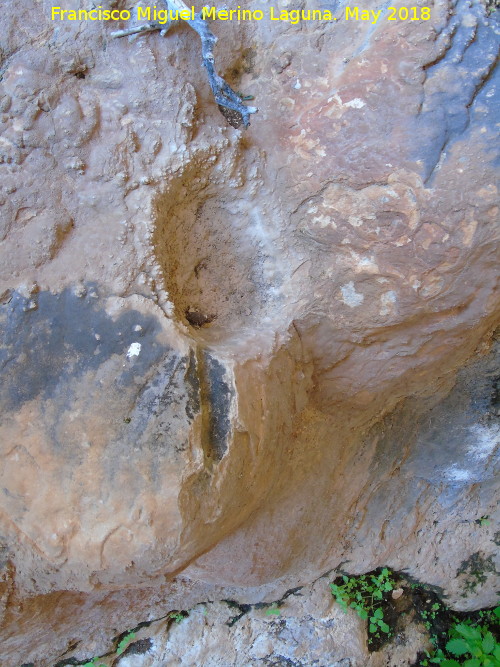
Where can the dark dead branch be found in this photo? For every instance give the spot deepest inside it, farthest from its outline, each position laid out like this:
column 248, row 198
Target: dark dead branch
column 230, row 103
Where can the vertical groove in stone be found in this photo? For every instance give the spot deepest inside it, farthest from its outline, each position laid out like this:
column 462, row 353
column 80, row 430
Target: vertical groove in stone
column 215, row 402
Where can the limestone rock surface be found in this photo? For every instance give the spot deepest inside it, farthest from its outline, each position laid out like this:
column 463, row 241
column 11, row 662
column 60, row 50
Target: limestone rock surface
column 307, row 628
column 232, row 361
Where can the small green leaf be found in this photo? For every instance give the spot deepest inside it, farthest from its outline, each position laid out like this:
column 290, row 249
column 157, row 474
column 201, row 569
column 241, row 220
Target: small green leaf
column 496, row 611
column 378, row 613
column 373, row 628
column 488, row 643
column 457, row 646
column 124, row 642
column 273, row 611
column 363, row 613
column 449, row 663
column 472, row 662
column 467, row 631
column 384, row 627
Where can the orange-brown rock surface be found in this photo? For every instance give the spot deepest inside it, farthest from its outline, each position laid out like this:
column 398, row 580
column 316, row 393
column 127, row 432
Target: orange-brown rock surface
column 233, row 360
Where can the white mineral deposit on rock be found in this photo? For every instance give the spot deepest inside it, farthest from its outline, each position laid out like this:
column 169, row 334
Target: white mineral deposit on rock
column 350, row 296
column 134, row 350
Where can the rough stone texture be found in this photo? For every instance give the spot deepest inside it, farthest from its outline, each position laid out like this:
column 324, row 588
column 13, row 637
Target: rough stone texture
column 308, row 629
column 241, row 356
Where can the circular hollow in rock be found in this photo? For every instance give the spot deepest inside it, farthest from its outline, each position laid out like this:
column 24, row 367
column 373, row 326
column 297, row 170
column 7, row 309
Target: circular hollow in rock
column 214, row 266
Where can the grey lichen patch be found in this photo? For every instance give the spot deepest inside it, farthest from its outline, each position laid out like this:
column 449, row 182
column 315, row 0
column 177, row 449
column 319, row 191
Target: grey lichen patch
column 216, row 395
column 46, row 339
column 456, row 437
column 495, row 397
column 193, row 387
column 468, row 44
column 155, row 412
column 220, row 395
column 475, row 570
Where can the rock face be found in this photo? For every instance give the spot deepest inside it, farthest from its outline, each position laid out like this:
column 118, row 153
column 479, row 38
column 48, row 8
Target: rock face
column 233, row 360
column 308, row 628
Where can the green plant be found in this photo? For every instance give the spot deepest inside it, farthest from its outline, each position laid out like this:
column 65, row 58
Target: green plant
column 490, row 616
column 122, row 645
column 273, row 610
column 429, row 615
column 365, row 595
column 178, row 616
column 474, row 644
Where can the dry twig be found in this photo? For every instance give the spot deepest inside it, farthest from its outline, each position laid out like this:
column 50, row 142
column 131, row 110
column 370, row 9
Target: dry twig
column 230, row 103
